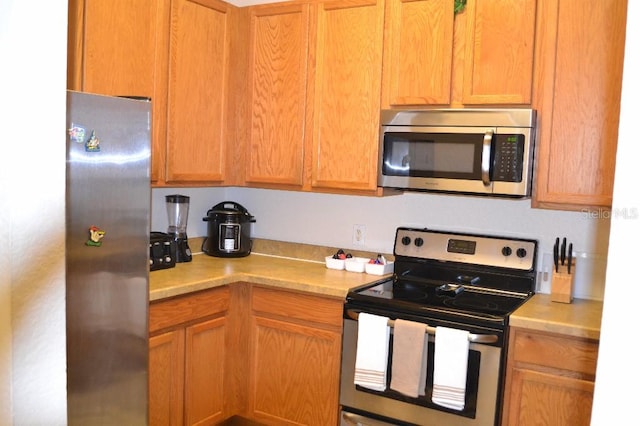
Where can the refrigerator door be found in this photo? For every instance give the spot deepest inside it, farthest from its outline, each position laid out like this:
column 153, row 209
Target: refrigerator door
column 107, row 259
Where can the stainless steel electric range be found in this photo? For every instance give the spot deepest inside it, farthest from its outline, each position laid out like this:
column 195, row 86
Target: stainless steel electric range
column 442, row 279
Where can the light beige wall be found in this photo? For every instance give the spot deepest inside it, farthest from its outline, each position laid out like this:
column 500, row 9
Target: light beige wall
column 618, row 375
column 32, row 173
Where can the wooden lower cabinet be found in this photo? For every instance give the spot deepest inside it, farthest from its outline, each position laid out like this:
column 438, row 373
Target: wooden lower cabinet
column 187, row 358
column 550, row 379
column 267, row 355
column 295, row 358
column 166, row 378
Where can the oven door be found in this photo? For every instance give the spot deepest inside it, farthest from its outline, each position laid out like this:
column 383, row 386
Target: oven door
column 483, row 389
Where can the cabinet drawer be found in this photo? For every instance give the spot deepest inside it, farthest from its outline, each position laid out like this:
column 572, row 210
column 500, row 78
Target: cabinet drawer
column 182, row 309
column 304, row 307
column 555, row 351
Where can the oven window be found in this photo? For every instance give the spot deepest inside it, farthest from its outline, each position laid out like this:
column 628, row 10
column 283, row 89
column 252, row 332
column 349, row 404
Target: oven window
column 440, row 155
column 471, row 397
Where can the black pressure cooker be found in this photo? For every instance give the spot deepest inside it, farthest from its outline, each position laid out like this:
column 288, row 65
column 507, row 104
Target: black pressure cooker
column 228, row 230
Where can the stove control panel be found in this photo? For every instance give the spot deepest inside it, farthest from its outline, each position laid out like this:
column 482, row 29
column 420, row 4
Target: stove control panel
column 466, row 248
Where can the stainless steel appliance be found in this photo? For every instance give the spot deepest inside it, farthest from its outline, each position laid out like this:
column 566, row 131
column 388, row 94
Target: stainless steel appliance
column 108, row 199
column 442, row 279
column 228, row 230
column 178, row 214
column 471, row 151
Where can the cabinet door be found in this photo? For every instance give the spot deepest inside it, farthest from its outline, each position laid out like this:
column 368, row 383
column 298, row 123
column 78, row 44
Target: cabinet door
column 499, row 50
column 278, row 77
column 204, row 372
column 544, row 399
column 578, row 102
column 418, row 50
column 166, row 378
column 197, row 91
column 294, row 373
column 345, row 95
column 120, row 47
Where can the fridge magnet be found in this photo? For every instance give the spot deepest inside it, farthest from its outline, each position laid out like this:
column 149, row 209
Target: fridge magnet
column 77, row 134
column 93, row 144
column 95, row 236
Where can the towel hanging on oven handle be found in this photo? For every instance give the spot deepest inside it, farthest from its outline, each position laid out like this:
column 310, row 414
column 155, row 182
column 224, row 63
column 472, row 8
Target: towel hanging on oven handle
column 473, row 338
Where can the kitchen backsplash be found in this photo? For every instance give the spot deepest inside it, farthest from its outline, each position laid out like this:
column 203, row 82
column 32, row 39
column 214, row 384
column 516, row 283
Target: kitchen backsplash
column 330, row 220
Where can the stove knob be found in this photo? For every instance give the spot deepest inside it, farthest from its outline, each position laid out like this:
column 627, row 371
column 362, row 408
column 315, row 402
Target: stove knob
column 419, row 242
column 406, row 240
column 521, row 253
column 506, row 251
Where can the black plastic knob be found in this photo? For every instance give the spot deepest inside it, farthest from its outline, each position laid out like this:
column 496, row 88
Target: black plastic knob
column 406, row 240
column 521, row 253
column 506, row 251
column 419, row 242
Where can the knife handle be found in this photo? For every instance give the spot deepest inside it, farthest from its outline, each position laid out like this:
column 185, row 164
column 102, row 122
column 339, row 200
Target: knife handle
column 569, row 258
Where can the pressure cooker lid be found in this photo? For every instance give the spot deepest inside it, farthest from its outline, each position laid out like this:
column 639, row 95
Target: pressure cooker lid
column 228, row 208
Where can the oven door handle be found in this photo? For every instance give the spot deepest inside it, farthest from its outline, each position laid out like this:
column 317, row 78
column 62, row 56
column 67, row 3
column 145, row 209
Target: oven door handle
column 486, row 157
column 473, row 338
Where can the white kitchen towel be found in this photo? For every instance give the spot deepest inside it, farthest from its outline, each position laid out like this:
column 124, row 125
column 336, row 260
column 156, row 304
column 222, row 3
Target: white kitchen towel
column 372, row 352
column 409, row 361
column 450, row 367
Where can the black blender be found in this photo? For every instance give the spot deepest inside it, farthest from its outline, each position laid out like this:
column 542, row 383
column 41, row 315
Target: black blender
column 178, row 211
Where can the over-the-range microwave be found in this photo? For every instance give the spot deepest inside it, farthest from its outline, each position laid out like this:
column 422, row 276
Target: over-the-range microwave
column 470, row 151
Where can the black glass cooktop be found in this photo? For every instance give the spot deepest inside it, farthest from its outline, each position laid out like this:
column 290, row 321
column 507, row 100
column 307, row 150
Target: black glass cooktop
column 439, row 299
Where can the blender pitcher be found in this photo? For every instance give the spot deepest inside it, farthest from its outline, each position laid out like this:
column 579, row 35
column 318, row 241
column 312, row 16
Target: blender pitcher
column 178, row 211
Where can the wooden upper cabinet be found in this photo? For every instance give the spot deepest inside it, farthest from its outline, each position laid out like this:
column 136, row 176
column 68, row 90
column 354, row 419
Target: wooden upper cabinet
column 345, row 95
column 278, row 50
column 418, row 52
column 199, row 54
column 578, row 102
column 499, row 50
column 120, row 48
column 483, row 55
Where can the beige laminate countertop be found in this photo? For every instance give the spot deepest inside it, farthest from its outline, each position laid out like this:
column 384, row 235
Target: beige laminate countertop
column 581, row 318
column 205, row 272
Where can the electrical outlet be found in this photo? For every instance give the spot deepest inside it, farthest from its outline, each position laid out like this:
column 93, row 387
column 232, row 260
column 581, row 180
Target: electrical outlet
column 545, row 272
column 359, row 233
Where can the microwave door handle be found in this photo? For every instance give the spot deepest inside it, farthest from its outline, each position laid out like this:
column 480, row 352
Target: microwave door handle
column 486, row 157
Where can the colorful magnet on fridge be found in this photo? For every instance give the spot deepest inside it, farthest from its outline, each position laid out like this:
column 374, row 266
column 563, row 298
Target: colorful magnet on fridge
column 93, row 144
column 77, row 133
column 95, row 236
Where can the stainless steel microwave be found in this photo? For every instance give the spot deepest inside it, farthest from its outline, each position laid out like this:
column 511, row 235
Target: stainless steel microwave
column 470, row 151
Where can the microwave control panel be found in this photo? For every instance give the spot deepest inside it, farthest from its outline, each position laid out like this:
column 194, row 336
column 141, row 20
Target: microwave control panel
column 508, row 157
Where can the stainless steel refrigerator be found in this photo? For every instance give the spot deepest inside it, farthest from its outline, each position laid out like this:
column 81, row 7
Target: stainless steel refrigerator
column 108, row 199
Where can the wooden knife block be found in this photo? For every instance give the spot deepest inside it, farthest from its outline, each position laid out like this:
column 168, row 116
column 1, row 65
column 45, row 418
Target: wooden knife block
column 562, row 284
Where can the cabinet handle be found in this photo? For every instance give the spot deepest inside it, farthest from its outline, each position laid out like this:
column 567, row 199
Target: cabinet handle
column 473, row 338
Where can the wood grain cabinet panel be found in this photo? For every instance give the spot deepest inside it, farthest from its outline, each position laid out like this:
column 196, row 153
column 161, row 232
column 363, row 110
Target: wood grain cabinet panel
column 499, row 51
column 418, row 52
column 205, row 362
column 482, row 56
column 315, row 76
column 578, row 102
column 187, row 358
column 166, row 378
column 295, row 359
column 279, row 50
column 550, row 379
column 345, row 96
column 198, row 67
column 120, row 48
